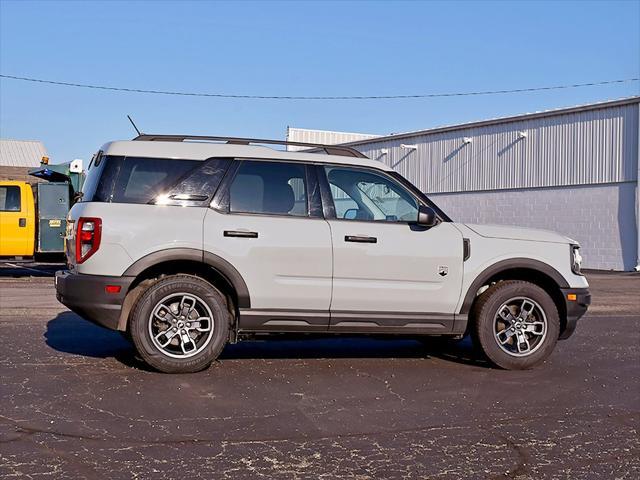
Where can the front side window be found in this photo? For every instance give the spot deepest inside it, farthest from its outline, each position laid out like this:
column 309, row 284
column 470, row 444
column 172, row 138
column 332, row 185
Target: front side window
column 360, row 194
column 272, row 188
column 10, row 198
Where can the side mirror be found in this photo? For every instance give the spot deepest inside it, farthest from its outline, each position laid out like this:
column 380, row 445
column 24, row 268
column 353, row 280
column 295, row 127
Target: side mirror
column 351, row 214
column 426, row 217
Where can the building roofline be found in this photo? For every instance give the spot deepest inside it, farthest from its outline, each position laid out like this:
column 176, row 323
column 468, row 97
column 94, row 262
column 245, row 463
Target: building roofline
column 500, row 120
column 313, row 130
column 20, row 140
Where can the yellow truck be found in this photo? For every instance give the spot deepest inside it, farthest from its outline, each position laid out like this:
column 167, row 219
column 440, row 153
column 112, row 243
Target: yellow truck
column 33, row 218
column 17, row 219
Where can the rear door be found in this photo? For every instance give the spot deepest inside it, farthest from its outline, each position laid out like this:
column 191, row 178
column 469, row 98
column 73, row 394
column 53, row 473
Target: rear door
column 389, row 274
column 266, row 221
column 17, row 219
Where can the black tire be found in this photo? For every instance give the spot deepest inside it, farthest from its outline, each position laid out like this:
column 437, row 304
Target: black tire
column 484, row 327
column 174, row 285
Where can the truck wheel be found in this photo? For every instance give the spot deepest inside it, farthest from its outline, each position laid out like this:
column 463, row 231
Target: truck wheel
column 516, row 324
column 180, row 324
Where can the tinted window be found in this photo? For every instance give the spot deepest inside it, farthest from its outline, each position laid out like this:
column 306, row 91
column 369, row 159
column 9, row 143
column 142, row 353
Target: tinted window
column 93, row 178
column 10, row 199
column 147, row 180
column 366, row 195
column 274, row 188
column 141, row 180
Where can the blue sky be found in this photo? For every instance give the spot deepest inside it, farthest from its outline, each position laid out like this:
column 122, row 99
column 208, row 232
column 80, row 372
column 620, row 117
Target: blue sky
column 299, row 48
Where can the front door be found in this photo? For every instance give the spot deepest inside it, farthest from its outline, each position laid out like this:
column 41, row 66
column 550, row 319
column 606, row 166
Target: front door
column 264, row 225
column 16, row 221
column 389, row 274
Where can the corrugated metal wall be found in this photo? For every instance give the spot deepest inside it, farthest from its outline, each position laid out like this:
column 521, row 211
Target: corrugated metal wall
column 585, row 147
column 324, row 137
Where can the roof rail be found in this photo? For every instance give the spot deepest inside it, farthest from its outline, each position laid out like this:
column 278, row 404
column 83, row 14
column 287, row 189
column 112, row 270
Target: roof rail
column 314, row 147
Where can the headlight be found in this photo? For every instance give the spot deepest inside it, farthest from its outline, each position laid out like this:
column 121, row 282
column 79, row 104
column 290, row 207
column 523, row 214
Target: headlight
column 576, row 259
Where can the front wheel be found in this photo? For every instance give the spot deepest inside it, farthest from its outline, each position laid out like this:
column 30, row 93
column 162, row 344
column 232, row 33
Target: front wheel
column 180, row 324
column 516, row 324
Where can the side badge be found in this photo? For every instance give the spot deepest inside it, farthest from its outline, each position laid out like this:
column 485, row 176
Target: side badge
column 443, row 270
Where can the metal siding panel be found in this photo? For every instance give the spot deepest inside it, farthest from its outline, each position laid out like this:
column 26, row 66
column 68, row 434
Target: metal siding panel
column 585, row 147
column 324, row 137
column 21, row 153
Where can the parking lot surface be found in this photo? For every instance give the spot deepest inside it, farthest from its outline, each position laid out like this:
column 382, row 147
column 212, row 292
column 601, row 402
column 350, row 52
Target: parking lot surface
column 76, row 403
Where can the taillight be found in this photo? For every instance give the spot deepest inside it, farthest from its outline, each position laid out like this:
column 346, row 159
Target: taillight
column 88, row 235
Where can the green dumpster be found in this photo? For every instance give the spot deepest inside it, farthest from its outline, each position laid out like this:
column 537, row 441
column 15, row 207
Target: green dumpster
column 53, row 203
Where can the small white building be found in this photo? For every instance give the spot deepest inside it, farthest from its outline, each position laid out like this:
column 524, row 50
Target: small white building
column 571, row 170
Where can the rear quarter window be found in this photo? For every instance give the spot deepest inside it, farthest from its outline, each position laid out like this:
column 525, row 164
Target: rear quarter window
column 142, row 180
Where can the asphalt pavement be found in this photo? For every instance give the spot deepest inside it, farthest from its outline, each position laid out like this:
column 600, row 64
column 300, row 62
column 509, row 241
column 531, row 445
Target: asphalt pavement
column 75, row 402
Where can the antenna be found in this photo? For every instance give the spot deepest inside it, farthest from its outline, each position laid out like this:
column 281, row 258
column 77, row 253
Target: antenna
column 134, row 125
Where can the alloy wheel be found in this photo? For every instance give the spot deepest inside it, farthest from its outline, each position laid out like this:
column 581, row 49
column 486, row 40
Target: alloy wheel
column 181, row 325
column 520, row 326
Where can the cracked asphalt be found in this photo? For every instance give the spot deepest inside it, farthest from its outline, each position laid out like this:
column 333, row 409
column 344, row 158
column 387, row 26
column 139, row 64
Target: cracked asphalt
column 76, row 403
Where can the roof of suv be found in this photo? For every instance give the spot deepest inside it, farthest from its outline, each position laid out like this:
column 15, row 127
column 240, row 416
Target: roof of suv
column 205, row 150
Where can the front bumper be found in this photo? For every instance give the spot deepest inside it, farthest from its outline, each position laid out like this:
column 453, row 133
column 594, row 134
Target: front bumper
column 574, row 308
column 86, row 295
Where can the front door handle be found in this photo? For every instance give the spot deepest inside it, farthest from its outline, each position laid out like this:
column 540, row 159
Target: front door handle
column 360, row 239
column 22, row 222
column 240, row 234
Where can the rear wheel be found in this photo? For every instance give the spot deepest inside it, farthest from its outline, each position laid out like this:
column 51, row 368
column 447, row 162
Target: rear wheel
column 516, row 324
column 180, row 324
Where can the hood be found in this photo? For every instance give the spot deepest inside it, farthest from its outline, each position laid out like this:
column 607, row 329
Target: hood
column 519, row 233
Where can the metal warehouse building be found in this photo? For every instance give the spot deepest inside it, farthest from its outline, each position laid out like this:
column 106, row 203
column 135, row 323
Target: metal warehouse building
column 325, row 137
column 571, row 170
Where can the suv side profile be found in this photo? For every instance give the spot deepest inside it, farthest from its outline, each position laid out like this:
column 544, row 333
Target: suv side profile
column 186, row 243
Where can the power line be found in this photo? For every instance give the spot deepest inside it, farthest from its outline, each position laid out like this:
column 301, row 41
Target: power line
column 346, row 97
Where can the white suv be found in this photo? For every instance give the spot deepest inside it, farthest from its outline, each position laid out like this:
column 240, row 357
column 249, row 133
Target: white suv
column 186, row 243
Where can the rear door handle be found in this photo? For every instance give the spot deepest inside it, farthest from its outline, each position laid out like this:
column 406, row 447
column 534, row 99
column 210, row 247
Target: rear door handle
column 360, row 239
column 22, row 222
column 240, row 234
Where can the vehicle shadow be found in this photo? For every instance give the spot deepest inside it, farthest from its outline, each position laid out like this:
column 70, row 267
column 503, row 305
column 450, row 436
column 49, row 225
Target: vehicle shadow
column 21, row 269
column 356, row 347
column 69, row 333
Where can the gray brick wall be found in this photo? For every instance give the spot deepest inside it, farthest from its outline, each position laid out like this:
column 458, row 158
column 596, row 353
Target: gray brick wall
column 601, row 217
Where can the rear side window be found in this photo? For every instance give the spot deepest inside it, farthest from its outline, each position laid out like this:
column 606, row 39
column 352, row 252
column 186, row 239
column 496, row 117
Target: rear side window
column 272, row 188
column 143, row 180
column 10, row 198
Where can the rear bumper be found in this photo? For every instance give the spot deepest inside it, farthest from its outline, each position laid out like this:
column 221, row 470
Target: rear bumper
column 574, row 308
column 86, row 296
